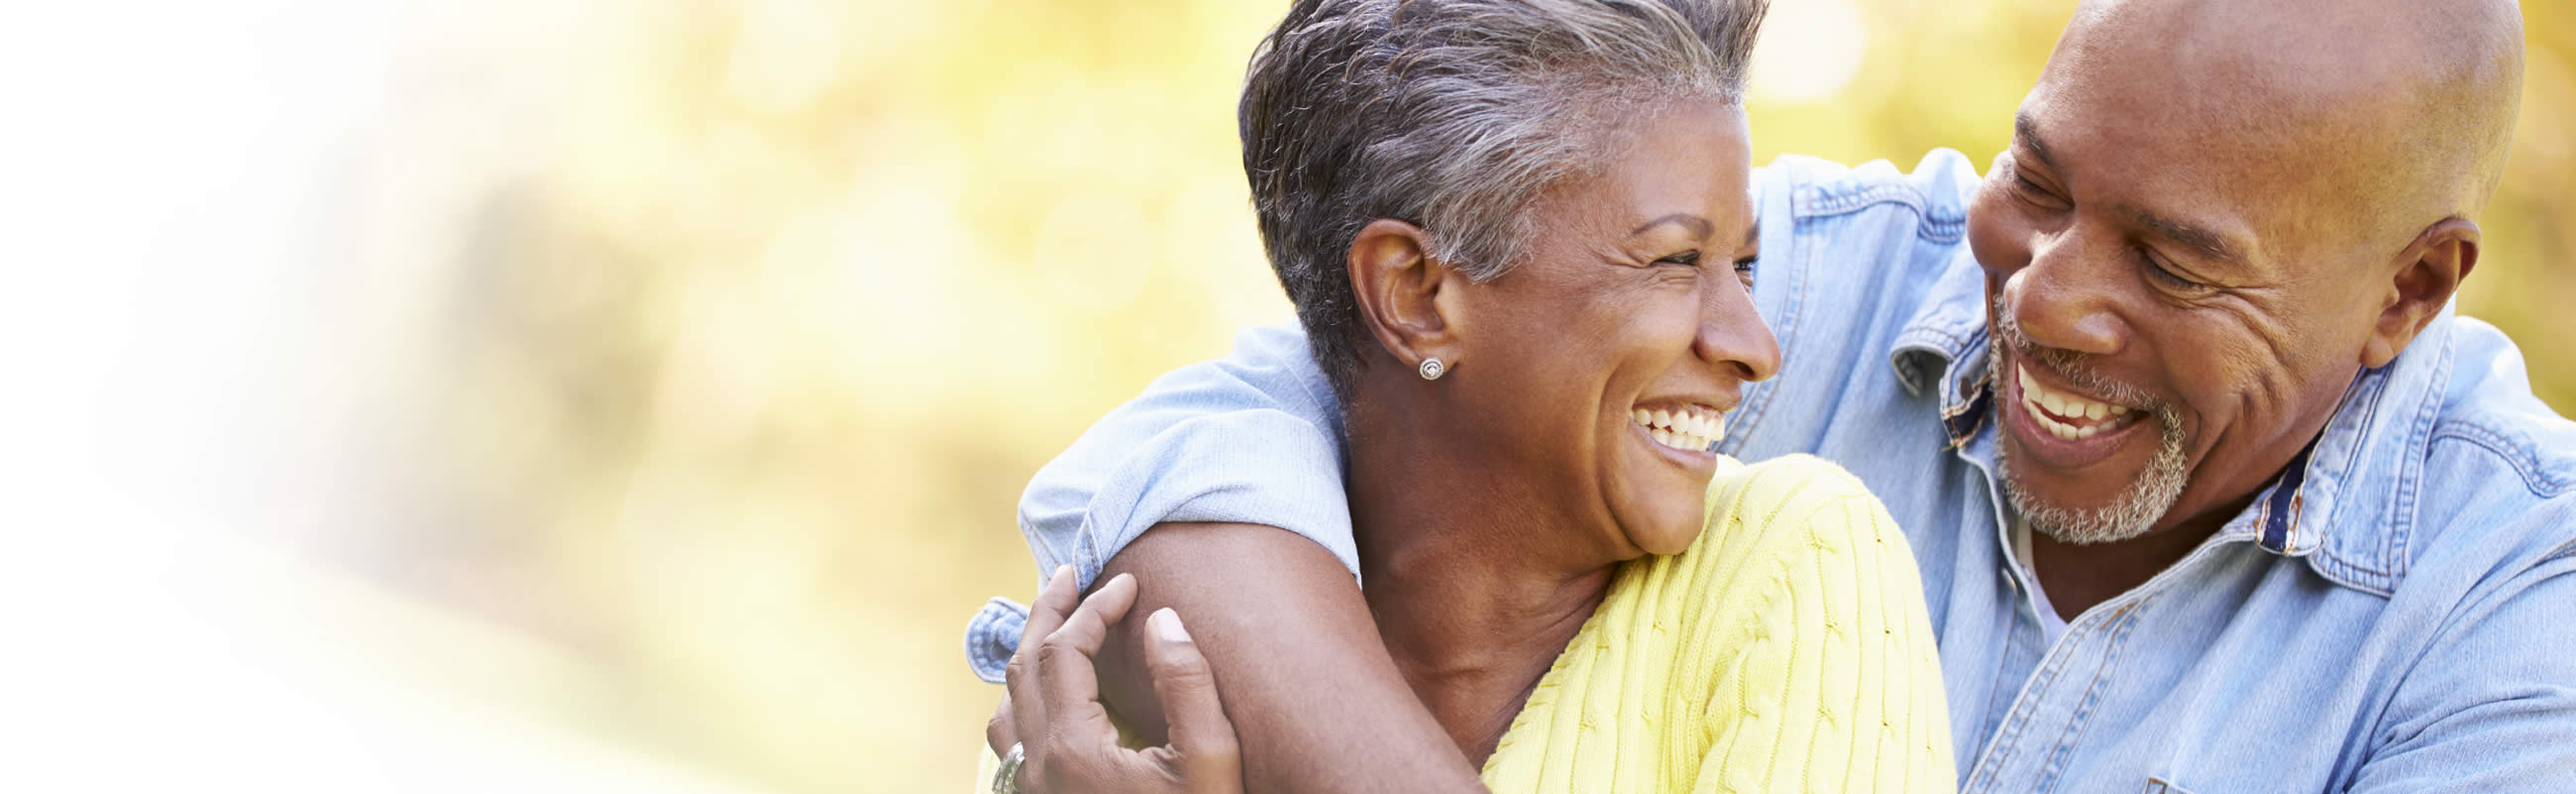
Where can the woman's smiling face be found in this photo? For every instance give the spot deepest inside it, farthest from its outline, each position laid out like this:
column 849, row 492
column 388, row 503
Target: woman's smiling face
column 1604, row 362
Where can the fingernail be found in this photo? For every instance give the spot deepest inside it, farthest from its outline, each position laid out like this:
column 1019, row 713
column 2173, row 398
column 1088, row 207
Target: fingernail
column 1167, row 624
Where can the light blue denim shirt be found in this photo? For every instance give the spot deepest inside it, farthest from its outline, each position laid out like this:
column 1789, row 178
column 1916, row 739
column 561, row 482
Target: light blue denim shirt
column 2395, row 612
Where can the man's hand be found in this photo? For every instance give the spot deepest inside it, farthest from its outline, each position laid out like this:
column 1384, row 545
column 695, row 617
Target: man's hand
column 1051, row 707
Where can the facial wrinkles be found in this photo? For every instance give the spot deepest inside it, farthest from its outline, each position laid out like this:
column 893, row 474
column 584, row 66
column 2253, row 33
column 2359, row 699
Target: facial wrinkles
column 1584, row 288
column 2282, row 347
column 2243, row 351
column 2226, row 346
column 2276, row 378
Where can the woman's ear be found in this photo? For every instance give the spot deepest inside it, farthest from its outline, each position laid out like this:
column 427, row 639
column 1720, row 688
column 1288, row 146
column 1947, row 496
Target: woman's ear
column 2428, row 273
column 1401, row 292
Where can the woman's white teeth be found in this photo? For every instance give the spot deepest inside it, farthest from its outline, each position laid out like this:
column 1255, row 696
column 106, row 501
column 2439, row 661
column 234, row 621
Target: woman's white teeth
column 2047, row 405
column 1695, row 428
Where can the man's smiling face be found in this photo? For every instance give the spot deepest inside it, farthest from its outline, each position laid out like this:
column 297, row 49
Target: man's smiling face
column 2189, row 252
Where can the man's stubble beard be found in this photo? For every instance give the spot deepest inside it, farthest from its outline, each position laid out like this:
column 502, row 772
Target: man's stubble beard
column 2140, row 505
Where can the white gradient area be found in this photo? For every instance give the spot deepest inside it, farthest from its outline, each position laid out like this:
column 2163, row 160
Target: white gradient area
column 189, row 329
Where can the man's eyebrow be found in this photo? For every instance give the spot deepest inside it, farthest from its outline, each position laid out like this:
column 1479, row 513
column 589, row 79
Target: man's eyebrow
column 2203, row 241
column 1752, row 234
column 2028, row 132
column 1698, row 225
column 2208, row 243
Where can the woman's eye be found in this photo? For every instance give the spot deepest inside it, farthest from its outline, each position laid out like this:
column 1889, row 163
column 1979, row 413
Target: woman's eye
column 1744, row 269
column 1684, row 259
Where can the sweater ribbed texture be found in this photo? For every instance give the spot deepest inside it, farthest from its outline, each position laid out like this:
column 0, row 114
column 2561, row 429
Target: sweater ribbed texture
column 1787, row 650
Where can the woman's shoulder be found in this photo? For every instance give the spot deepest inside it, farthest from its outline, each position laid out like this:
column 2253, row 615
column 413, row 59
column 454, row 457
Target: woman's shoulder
column 1788, row 480
column 1793, row 510
column 1790, row 490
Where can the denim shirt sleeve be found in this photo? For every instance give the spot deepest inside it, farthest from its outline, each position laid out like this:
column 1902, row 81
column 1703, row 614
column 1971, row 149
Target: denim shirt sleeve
column 2491, row 705
column 1250, row 438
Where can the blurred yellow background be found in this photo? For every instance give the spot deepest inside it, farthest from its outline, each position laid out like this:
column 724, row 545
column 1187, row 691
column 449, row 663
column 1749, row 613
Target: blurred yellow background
column 727, row 333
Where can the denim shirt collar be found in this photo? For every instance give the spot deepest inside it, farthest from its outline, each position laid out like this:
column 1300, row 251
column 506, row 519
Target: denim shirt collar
column 2342, row 503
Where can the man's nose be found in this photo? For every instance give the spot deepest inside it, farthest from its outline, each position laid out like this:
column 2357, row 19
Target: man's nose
column 2066, row 298
column 1733, row 336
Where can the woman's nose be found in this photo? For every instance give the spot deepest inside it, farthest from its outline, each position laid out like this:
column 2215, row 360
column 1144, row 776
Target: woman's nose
column 1733, row 336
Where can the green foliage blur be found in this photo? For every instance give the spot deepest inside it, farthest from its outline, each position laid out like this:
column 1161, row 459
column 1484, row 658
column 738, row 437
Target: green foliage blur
column 751, row 332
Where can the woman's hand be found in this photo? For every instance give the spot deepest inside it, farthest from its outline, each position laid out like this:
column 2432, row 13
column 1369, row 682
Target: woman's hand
column 1051, row 707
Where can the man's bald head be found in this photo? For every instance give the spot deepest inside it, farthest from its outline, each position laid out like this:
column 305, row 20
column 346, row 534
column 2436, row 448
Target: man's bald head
column 2412, row 102
column 2218, row 212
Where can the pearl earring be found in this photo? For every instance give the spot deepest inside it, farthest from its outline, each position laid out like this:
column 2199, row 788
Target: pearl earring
column 1432, row 369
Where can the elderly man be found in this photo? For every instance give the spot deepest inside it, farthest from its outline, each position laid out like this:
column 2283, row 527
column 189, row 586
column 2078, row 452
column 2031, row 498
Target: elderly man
column 2210, row 490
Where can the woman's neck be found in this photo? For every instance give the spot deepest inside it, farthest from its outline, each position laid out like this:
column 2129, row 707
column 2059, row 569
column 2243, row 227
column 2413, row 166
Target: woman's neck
column 1474, row 592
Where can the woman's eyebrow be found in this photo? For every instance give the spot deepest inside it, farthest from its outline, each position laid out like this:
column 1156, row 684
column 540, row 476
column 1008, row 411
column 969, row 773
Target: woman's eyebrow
column 1699, row 226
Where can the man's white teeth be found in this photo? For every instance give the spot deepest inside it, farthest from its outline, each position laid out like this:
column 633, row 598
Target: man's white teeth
column 2046, row 405
column 1693, row 428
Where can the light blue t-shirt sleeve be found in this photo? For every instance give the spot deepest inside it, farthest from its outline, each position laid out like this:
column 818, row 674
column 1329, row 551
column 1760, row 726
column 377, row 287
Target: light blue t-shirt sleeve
column 1251, row 438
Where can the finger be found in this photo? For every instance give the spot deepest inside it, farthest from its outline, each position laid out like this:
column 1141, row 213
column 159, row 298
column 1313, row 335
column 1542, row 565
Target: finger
column 1000, row 732
column 1201, row 733
column 1065, row 672
column 1020, row 678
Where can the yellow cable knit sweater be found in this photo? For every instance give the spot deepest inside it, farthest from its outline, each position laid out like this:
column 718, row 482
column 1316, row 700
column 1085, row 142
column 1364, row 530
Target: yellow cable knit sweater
column 1787, row 650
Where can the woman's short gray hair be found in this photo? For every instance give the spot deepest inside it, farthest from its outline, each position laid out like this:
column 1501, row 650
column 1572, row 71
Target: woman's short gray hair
column 1452, row 115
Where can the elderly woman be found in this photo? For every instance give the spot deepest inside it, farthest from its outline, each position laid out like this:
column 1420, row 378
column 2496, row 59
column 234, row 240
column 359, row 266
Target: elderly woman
column 1519, row 235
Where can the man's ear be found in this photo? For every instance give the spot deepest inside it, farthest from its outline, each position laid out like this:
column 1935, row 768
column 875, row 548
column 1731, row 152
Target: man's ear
column 1402, row 292
column 2425, row 277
